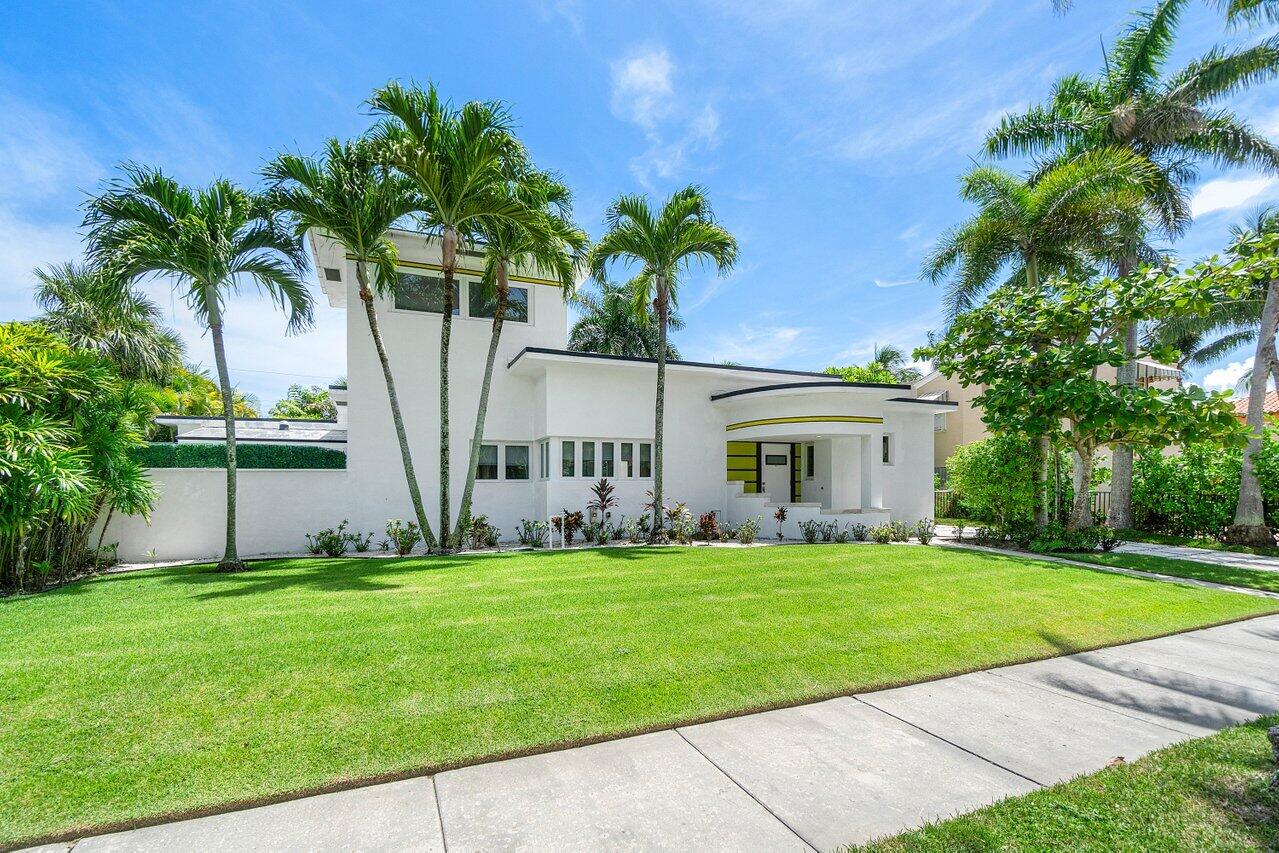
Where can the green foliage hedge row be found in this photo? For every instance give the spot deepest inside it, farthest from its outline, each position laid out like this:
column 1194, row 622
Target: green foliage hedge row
column 213, row 455
column 1195, row 492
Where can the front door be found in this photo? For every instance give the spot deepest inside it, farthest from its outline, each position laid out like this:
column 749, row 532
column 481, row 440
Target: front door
column 775, row 464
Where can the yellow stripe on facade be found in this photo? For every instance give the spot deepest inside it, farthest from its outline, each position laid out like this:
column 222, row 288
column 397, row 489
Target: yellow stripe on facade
column 806, row 419
column 421, row 265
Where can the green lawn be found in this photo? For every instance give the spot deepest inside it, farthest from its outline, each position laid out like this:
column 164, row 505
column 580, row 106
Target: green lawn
column 171, row 690
column 1255, row 578
column 1206, row 794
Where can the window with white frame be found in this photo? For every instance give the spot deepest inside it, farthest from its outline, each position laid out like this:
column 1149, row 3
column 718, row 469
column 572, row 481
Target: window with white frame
column 568, row 459
column 482, row 303
column 487, row 467
column 515, row 462
column 545, row 471
column 503, row 462
column 416, row 292
column 889, row 449
column 606, row 459
column 588, row 459
column 645, row 459
column 810, row 461
column 628, row 451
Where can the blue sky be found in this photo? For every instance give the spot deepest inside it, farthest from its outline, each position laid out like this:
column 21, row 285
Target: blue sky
column 830, row 135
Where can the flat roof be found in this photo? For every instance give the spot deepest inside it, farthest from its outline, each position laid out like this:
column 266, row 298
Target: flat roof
column 698, row 364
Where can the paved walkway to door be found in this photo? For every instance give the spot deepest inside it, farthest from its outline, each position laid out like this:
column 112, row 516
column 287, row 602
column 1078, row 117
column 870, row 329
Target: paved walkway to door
column 807, row 778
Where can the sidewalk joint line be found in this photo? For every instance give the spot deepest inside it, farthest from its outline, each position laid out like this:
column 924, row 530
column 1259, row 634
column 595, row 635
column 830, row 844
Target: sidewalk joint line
column 439, row 813
column 743, row 789
column 978, row 755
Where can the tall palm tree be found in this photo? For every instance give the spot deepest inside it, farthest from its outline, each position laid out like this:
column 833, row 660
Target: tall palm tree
column 609, row 325
column 1060, row 221
column 209, row 241
column 665, row 243
column 552, row 246
column 351, row 196
column 1232, row 324
column 458, row 160
column 1173, row 121
column 91, row 309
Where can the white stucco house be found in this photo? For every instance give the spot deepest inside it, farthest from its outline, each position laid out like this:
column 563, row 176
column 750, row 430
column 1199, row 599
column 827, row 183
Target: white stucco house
column 739, row 440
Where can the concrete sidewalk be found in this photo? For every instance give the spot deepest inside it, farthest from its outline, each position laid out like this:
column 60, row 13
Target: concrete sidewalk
column 806, row 778
column 1202, row 555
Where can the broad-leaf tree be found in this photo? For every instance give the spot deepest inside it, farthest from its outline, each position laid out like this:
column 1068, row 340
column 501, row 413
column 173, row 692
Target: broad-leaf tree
column 609, row 325
column 1036, row 355
column 91, row 309
column 305, row 404
column 664, row 244
column 1061, row 220
column 209, row 242
column 350, row 196
column 459, row 160
column 1173, row 120
column 550, row 246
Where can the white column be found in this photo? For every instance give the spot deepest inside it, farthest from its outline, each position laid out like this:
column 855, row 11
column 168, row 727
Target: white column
column 872, row 473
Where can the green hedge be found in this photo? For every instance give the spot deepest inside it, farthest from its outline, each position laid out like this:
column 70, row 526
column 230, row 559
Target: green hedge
column 213, row 455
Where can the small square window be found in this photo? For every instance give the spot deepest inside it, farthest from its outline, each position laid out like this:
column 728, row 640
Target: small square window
column 482, row 302
column 487, row 469
column 568, row 459
column 588, row 459
column 517, row 462
column 415, row 292
column 606, row 461
column 646, row 460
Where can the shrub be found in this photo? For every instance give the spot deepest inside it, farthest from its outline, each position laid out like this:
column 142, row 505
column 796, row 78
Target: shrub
column 780, row 515
column 925, row 528
column 708, row 526
column 532, row 533
column 481, row 534
column 212, row 454
column 331, row 542
column 681, row 523
column 810, row 529
column 841, row 536
column 881, row 534
column 829, row 529
column 900, row 531
column 636, row 530
column 993, row 478
column 1191, row 494
column 989, row 535
column 1055, row 537
column 360, row 542
column 567, row 524
column 748, row 530
column 858, row 531
column 403, row 535
column 1106, row 539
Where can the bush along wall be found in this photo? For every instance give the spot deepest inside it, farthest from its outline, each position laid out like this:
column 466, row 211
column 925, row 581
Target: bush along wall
column 248, row 456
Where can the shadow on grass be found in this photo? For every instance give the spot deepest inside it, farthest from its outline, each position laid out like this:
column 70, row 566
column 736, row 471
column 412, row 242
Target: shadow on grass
column 337, row 574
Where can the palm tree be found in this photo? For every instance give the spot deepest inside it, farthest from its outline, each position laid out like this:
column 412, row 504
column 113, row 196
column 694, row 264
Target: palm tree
column 551, row 247
column 1170, row 120
column 209, row 241
column 610, row 326
column 665, row 243
column 91, row 310
column 350, row 196
column 893, row 360
column 1254, row 319
column 458, row 161
column 1060, row 221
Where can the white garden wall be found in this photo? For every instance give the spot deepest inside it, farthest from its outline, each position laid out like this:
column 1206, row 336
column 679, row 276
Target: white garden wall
column 276, row 509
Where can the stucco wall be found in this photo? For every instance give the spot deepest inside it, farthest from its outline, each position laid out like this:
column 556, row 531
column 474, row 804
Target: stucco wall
column 276, row 509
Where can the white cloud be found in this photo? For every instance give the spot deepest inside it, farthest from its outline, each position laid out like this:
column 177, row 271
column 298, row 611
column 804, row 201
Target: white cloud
column 24, row 245
column 1229, row 194
column 570, row 11
column 1226, row 378
column 642, row 89
column 716, row 285
column 757, row 346
column 42, row 158
column 879, row 282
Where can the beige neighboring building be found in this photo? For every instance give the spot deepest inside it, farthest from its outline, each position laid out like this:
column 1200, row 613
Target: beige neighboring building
column 964, row 425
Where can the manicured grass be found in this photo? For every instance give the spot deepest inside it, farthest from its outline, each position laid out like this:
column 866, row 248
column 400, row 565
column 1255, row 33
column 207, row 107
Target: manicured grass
column 1193, row 542
column 1206, row 794
column 168, row 690
column 1232, row 575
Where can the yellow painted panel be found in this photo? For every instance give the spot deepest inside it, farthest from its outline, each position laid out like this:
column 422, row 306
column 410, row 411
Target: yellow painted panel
column 806, row 419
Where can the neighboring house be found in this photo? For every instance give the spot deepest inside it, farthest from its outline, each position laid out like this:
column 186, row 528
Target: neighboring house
column 739, row 440
column 190, row 429
column 1271, row 408
column 964, row 425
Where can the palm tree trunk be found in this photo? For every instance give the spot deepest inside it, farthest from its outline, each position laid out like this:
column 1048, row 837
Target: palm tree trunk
column 231, row 561
column 660, row 409
column 1040, row 470
column 448, row 260
column 1250, row 518
column 1121, row 462
column 406, row 457
column 1081, row 508
column 499, row 314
